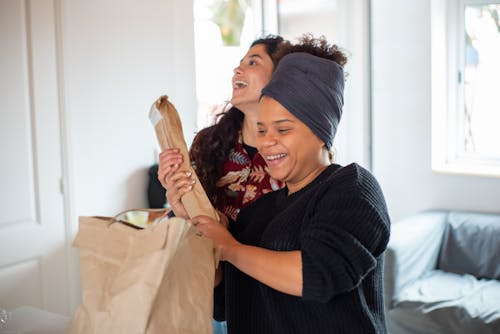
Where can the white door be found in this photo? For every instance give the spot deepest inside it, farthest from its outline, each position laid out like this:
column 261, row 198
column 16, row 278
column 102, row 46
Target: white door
column 33, row 256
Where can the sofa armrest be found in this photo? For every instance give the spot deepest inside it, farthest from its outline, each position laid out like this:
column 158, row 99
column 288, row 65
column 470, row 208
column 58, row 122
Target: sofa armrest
column 412, row 251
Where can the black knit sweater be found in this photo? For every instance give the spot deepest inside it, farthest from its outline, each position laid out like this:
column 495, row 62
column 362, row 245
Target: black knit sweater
column 340, row 224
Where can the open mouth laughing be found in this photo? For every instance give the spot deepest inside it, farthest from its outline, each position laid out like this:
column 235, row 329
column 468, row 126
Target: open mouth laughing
column 239, row 84
column 275, row 158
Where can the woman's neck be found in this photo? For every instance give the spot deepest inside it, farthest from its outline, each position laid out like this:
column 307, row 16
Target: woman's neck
column 302, row 182
column 249, row 128
column 293, row 188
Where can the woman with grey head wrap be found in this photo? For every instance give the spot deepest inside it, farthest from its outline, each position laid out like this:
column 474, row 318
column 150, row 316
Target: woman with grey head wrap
column 312, row 89
column 307, row 258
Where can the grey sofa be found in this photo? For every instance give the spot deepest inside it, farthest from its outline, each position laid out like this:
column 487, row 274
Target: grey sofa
column 442, row 272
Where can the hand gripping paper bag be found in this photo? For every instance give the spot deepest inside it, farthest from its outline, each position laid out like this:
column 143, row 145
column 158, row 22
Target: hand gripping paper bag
column 153, row 280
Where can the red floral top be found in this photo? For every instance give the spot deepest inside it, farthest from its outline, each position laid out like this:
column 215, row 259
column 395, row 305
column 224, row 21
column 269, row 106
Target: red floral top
column 244, row 180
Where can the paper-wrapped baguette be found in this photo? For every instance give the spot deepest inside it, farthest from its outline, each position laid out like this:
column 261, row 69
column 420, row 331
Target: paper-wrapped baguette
column 168, row 128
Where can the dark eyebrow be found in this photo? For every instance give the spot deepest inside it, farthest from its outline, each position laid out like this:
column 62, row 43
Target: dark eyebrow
column 280, row 121
column 252, row 56
column 283, row 121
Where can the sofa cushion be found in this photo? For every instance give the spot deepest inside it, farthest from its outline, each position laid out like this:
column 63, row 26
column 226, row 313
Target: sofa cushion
column 447, row 303
column 471, row 245
column 413, row 250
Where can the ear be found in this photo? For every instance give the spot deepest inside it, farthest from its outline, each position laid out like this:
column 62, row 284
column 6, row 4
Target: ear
column 321, row 143
column 327, row 153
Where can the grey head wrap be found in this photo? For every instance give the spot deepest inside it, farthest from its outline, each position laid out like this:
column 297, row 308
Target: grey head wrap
column 311, row 88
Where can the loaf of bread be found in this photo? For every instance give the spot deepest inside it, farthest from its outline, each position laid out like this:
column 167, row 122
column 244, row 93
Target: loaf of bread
column 168, row 128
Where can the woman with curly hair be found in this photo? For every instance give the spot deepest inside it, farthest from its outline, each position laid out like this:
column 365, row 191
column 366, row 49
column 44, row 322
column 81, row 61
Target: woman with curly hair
column 227, row 164
column 307, row 258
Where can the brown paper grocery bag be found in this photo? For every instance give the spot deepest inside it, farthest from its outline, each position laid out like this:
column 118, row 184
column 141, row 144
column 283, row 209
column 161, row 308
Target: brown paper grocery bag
column 153, row 280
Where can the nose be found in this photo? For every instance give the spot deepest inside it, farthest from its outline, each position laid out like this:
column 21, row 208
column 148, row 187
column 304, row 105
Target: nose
column 237, row 69
column 265, row 141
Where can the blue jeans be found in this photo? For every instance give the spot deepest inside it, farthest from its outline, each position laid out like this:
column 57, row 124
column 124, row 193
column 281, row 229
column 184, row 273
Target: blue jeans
column 219, row 327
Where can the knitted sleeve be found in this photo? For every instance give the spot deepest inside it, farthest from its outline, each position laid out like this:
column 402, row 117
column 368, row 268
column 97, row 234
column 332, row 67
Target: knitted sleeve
column 348, row 229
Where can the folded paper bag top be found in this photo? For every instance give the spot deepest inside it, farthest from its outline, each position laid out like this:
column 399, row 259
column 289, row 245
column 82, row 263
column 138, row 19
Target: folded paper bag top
column 154, row 280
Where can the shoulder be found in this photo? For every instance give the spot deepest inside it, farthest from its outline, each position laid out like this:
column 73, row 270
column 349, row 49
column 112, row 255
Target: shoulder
column 351, row 177
column 353, row 169
column 352, row 186
column 352, row 197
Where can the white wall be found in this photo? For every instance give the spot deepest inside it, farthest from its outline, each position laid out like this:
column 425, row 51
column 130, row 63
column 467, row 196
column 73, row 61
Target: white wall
column 119, row 56
column 116, row 58
column 402, row 118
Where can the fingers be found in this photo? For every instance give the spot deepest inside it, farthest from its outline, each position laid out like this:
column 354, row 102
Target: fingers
column 212, row 229
column 223, row 219
column 202, row 224
column 208, row 227
column 168, row 163
column 176, row 182
column 203, row 220
column 196, row 223
column 178, row 185
column 181, row 178
column 169, row 157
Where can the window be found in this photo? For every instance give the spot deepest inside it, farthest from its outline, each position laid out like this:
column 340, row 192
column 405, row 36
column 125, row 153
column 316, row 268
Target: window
column 224, row 30
column 465, row 92
column 318, row 17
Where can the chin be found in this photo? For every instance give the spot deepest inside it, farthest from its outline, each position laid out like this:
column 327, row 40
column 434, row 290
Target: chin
column 277, row 175
column 236, row 103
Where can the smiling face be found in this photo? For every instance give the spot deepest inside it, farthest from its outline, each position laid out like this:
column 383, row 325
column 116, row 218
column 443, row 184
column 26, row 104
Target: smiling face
column 253, row 73
column 293, row 153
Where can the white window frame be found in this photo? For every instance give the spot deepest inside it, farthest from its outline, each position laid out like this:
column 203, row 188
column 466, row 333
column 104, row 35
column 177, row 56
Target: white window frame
column 447, row 62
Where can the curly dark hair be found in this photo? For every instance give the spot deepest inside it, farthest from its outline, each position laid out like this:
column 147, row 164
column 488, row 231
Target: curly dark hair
column 316, row 46
column 212, row 145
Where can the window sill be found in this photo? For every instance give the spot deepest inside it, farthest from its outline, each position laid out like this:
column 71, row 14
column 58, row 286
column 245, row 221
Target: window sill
column 468, row 168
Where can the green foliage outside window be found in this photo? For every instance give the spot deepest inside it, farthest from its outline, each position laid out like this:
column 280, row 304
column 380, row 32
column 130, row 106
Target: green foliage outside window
column 229, row 15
